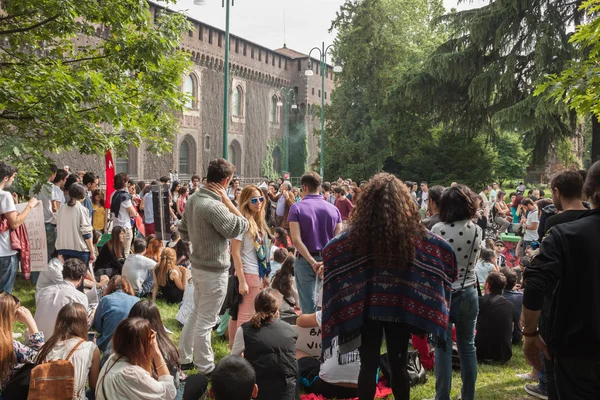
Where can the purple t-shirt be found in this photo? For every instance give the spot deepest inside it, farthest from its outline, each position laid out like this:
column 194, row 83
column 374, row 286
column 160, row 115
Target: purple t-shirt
column 317, row 218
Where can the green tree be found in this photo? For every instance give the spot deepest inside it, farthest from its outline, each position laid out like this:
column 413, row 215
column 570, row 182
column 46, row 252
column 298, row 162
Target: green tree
column 512, row 159
column 87, row 75
column 578, row 85
column 380, row 41
column 481, row 80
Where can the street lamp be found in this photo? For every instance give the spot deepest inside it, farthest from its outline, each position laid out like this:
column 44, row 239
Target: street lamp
column 226, row 4
column 309, row 72
column 287, row 92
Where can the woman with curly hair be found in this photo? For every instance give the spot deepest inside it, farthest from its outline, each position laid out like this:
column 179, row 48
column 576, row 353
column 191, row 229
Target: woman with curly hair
column 458, row 208
column 385, row 243
column 250, row 253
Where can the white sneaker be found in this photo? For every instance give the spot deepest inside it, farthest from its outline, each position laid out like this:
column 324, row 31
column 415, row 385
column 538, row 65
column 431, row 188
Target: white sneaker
column 526, row 377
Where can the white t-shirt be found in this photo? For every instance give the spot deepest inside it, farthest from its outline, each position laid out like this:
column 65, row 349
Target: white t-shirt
column 58, row 194
column 493, row 196
column 331, row 371
column 81, row 359
column 531, row 235
column 136, row 269
column 7, row 204
column 51, row 276
column 249, row 257
column 123, row 219
column 148, row 209
column 50, row 300
column 45, row 197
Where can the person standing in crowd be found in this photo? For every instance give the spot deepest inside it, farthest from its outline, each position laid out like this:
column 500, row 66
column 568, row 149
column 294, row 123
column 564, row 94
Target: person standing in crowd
column 435, row 194
column 235, row 185
column 45, row 197
column 10, row 219
column 149, row 211
column 233, row 379
column 502, row 212
column 137, row 267
column 424, row 195
column 568, row 265
column 58, row 194
column 74, row 227
column 69, row 342
column 566, row 188
column 250, row 254
column 113, row 308
column 313, row 223
column 169, row 279
column 280, row 198
column 90, row 181
column 269, row 344
column 484, row 195
column 126, row 374
column 14, row 354
column 494, row 322
column 122, row 210
column 358, row 260
column 342, row 203
column 109, row 259
column 516, row 298
column 493, row 193
column 99, row 221
column 327, row 195
column 209, row 222
column 530, row 222
column 485, row 265
column 458, row 208
column 51, row 299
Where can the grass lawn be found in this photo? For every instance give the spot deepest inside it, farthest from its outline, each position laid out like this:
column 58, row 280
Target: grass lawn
column 493, row 382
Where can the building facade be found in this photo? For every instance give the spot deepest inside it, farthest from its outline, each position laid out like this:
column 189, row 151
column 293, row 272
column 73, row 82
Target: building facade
column 256, row 142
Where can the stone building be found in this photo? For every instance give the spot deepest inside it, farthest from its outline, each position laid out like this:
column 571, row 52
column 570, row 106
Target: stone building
column 256, row 122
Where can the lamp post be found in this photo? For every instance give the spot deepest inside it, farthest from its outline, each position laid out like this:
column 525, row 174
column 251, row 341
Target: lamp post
column 287, row 92
column 309, row 72
column 226, row 4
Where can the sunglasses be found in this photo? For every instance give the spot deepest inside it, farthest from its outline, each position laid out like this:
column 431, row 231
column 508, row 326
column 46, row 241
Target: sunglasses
column 15, row 298
column 255, row 200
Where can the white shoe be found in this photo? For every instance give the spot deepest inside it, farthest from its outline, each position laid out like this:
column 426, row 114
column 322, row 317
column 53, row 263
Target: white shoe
column 526, row 377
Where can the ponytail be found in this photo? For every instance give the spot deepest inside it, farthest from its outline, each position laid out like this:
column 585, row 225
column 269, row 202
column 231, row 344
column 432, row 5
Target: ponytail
column 266, row 304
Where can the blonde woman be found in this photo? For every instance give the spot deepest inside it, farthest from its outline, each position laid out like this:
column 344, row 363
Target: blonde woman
column 250, row 252
column 169, row 278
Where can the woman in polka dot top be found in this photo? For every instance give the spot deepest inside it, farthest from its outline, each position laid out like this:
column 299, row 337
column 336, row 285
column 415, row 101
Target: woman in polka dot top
column 458, row 207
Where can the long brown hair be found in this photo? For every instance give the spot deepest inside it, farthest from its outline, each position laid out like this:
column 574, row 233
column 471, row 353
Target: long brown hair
column 114, row 244
column 8, row 308
column 284, row 278
column 154, row 248
column 71, row 322
column 266, row 304
column 385, row 223
column 256, row 222
column 118, row 282
column 167, row 262
column 148, row 310
column 132, row 339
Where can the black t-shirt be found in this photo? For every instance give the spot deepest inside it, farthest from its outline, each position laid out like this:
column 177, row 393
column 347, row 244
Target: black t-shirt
column 516, row 298
column 494, row 328
column 561, row 218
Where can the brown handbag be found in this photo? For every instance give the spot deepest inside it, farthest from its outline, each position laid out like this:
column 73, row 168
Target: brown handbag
column 54, row 379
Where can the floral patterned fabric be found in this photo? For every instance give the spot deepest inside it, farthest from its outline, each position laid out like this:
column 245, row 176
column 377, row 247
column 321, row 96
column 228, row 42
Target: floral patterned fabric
column 24, row 354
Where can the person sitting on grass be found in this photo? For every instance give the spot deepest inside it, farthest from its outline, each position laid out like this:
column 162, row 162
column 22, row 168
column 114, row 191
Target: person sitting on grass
column 154, row 249
column 269, row 344
column 109, row 261
column 329, row 378
column 233, row 379
column 486, row 264
column 117, row 301
column 138, row 268
column 195, row 385
column 285, row 283
column 70, row 335
column 516, row 298
column 278, row 256
column 128, row 372
column 13, row 354
column 493, row 339
column 50, row 300
column 169, row 278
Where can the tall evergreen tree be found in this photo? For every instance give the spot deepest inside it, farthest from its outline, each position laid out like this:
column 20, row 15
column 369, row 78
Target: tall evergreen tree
column 481, row 80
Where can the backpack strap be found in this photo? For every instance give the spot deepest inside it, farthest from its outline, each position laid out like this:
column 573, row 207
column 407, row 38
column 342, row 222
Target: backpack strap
column 74, row 348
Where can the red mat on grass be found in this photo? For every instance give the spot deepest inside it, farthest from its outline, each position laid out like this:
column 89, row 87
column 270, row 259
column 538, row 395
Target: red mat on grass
column 381, row 393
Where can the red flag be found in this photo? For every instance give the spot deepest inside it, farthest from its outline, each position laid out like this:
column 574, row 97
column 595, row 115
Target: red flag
column 110, row 177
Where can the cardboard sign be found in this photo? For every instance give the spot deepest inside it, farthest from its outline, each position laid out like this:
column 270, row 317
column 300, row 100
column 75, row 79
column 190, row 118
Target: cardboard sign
column 309, row 341
column 37, row 237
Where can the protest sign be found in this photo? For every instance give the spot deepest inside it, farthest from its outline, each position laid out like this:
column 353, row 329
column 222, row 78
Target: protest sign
column 309, row 341
column 36, row 229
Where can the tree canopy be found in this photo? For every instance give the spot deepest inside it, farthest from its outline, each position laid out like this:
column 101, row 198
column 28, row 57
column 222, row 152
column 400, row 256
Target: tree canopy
column 87, row 75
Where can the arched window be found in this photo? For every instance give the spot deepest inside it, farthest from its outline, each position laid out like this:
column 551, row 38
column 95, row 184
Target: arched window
column 190, row 88
column 187, row 156
column 273, row 113
column 238, row 98
column 235, row 155
column 277, row 159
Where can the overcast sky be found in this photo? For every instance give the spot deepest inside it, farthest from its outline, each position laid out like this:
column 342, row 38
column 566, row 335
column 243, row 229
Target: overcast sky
column 307, row 22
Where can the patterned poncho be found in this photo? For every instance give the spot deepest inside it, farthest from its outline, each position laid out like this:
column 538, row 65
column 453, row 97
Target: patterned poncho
column 355, row 290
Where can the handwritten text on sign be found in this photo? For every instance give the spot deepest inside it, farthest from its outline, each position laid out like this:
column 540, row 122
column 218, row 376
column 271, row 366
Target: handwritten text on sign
column 37, row 237
column 309, row 341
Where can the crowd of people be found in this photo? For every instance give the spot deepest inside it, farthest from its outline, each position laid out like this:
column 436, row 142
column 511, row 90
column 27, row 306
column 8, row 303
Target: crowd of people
column 362, row 263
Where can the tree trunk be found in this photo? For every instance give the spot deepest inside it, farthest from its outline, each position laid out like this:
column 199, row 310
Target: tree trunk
column 595, row 139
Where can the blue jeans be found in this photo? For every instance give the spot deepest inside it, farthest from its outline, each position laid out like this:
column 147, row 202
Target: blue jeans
column 306, row 280
column 8, row 272
column 465, row 340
